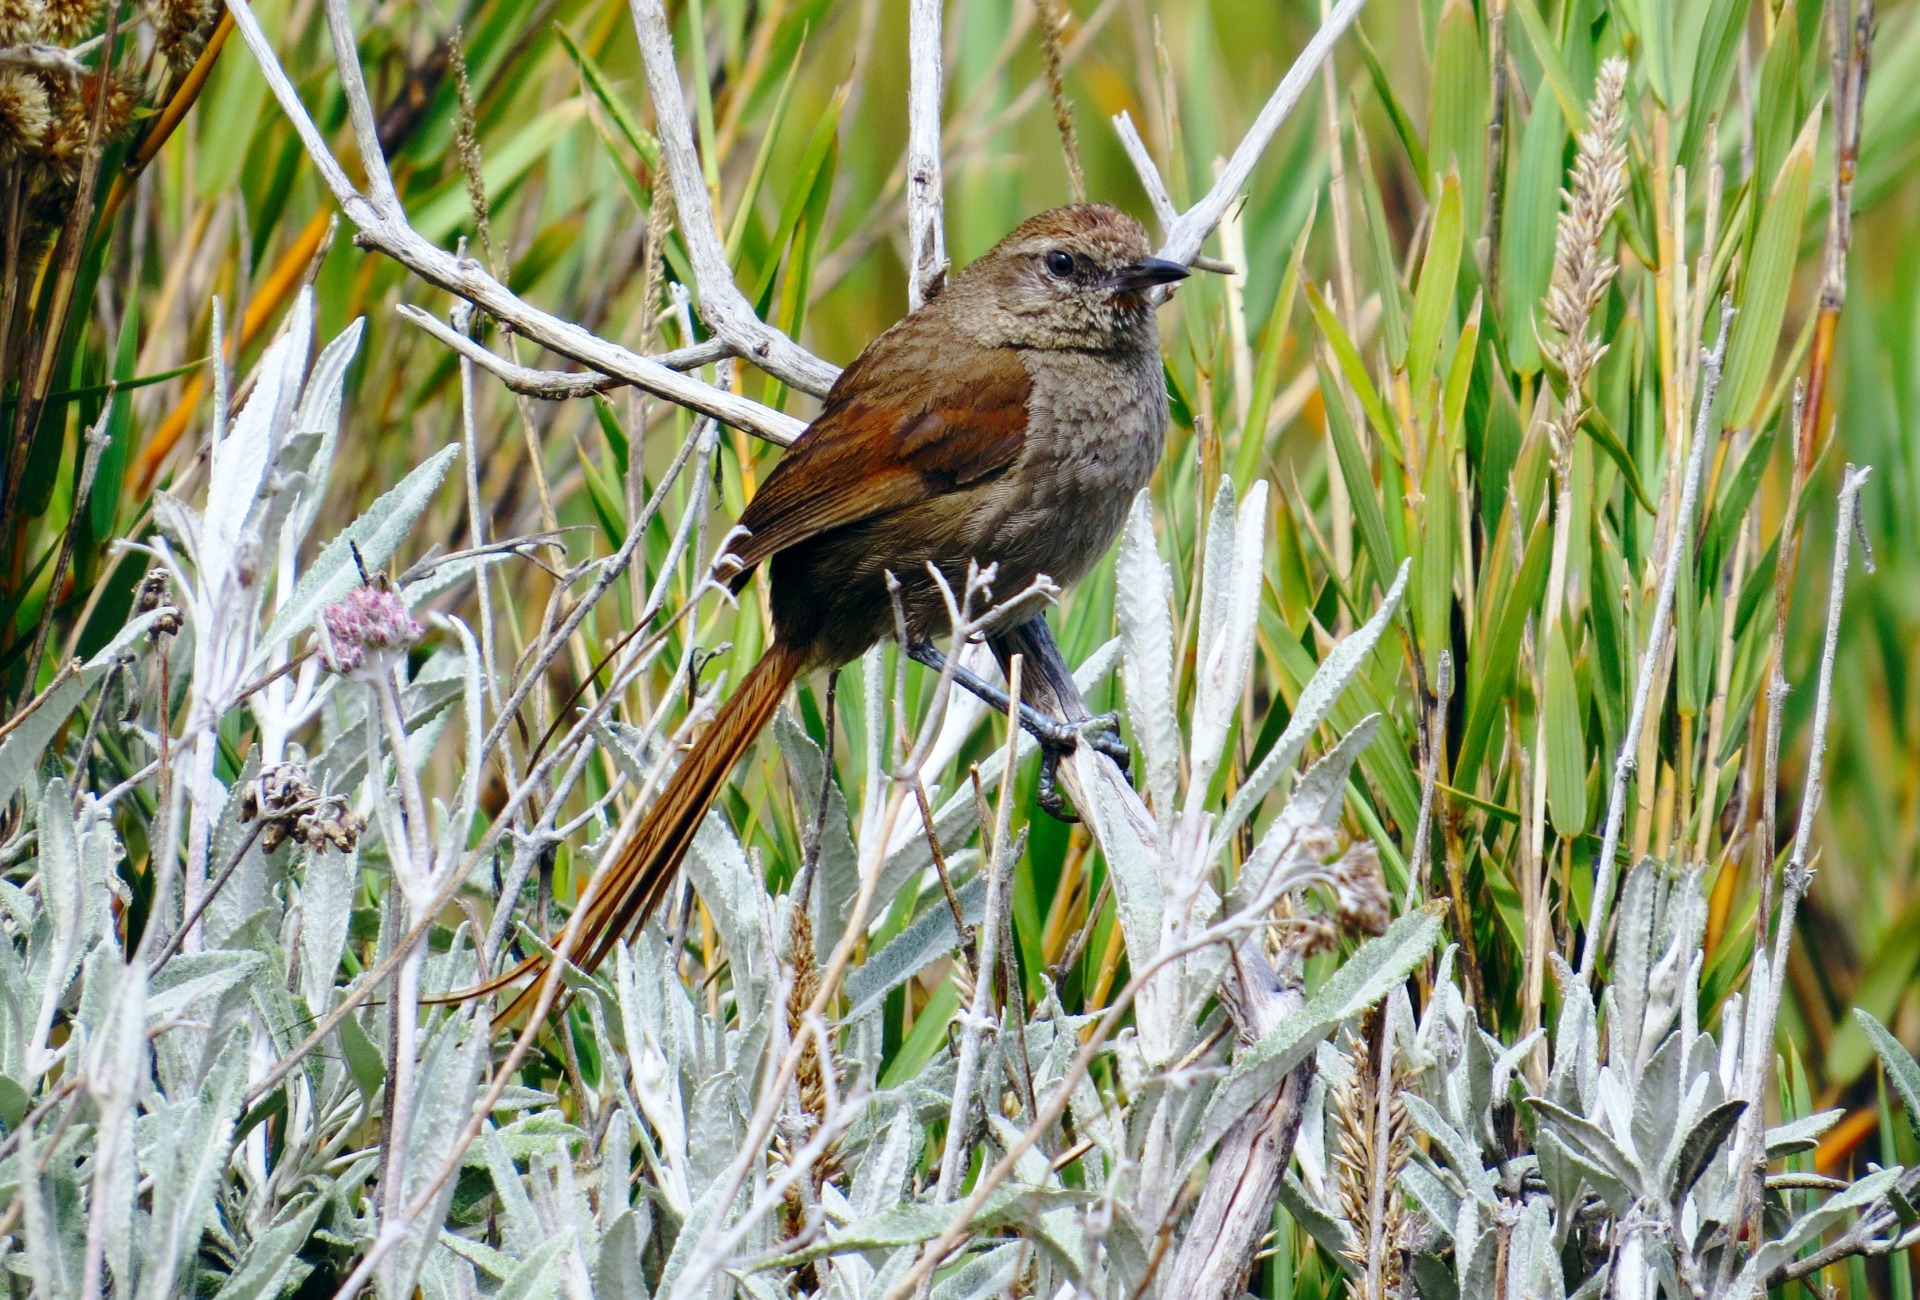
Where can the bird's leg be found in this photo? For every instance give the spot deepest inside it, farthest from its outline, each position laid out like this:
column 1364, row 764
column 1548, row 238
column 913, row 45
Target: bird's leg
column 1056, row 737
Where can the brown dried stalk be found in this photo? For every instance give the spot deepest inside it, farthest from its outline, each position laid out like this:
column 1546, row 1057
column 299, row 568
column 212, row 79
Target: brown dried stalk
column 1053, row 35
column 1374, row 1140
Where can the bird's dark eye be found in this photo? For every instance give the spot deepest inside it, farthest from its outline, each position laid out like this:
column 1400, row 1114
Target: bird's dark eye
column 1060, row 264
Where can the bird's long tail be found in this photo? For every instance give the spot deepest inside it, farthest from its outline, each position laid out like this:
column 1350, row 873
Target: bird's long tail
column 629, row 887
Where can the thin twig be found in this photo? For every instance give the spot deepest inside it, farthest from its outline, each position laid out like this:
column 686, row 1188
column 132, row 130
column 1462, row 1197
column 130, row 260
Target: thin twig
column 1623, row 767
column 1749, row 1154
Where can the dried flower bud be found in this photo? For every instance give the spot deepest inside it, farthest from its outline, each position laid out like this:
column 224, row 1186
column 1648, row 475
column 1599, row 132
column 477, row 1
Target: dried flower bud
column 367, row 630
column 68, row 22
column 153, row 592
column 292, row 809
column 65, row 143
column 25, row 113
column 20, row 21
column 1360, row 890
column 181, row 28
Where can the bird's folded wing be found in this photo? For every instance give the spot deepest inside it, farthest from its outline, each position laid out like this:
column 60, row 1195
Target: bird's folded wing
column 903, row 425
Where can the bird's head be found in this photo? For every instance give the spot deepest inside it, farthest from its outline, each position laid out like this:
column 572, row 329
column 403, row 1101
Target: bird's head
column 1078, row 277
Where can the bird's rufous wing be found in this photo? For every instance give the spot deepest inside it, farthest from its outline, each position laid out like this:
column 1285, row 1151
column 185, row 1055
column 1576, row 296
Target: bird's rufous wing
column 903, row 425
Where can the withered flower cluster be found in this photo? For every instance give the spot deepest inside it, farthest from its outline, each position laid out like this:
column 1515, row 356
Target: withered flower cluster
column 284, row 800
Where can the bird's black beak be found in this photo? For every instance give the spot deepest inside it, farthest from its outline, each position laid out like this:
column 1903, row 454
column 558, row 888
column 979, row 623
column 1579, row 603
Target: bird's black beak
column 1145, row 274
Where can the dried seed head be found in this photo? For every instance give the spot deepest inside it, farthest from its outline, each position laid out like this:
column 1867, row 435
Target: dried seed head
column 1582, row 270
column 20, row 21
column 68, row 22
column 1360, row 890
column 368, row 630
column 64, row 146
column 153, row 592
column 25, row 114
column 1366, row 1175
column 291, row 809
column 181, row 29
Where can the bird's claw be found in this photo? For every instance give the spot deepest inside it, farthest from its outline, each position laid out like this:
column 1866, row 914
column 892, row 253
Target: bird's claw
column 1101, row 732
column 1052, row 802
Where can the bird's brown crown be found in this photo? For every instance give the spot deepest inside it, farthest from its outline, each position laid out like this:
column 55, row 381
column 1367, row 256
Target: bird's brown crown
column 1099, row 231
column 1059, row 280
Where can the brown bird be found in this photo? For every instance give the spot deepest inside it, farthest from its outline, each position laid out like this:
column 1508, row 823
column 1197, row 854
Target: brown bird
column 1009, row 421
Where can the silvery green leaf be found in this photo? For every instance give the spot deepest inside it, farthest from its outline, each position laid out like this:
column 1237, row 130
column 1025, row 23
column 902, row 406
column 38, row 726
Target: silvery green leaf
column 656, row 1084
column 239, row 461
column 1588, row 1141
column 177, row 521
column 1433, row 1279
column 1702, row 1143
column 116, row 1074
column 496, row 1264
column 1432, row 1196
column 837, row 872
column 1461, row 1149
column 537, row 1276
column 629, row 748
column 1631, row 959
column 1324, row 1228
column 1316, row 801
column 53, row 1237
column 1902, row 1071
column 1217, row 563
column 1316, row 700
column 21, row 751
column 444, row 1087
column 1533, row 1261
column 250, row 883
column 1564, row 1176
column 199, row 1134
column 72, row 908
column 189, row 977
column 617, row 1274
column 1576, row 1042
column 379, row 533
column 1658, row 1117
column 985, row 1275
column 737, row 900
column 272, row 1264
column 929, row 938
column 535, row 1132
column 1229, row 618
column 1811, row 1226
column 1135, row 865
column 714, row 1129
column 326, row 895
column 915, row 1222
column 1801, row 1134
column 319, row 413
column 882, row 1177
column 1142, row 597
column 1366, row 977
column 1476, row 1251
column 423, row 703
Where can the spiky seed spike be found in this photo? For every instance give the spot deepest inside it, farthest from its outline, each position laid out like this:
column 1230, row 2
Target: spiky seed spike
column 1582, row 270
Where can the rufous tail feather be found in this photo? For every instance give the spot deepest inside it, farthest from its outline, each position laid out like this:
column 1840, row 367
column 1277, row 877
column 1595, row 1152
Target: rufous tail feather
column 630, row 886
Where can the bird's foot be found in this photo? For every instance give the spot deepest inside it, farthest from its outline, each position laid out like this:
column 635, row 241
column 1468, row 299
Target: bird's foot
column 1058, row 739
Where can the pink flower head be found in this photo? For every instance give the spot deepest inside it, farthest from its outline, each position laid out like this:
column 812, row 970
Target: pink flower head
column 367, row 630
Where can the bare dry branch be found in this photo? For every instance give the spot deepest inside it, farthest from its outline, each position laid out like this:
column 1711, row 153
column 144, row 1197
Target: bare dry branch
column 722, row 306
column 926, row 234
